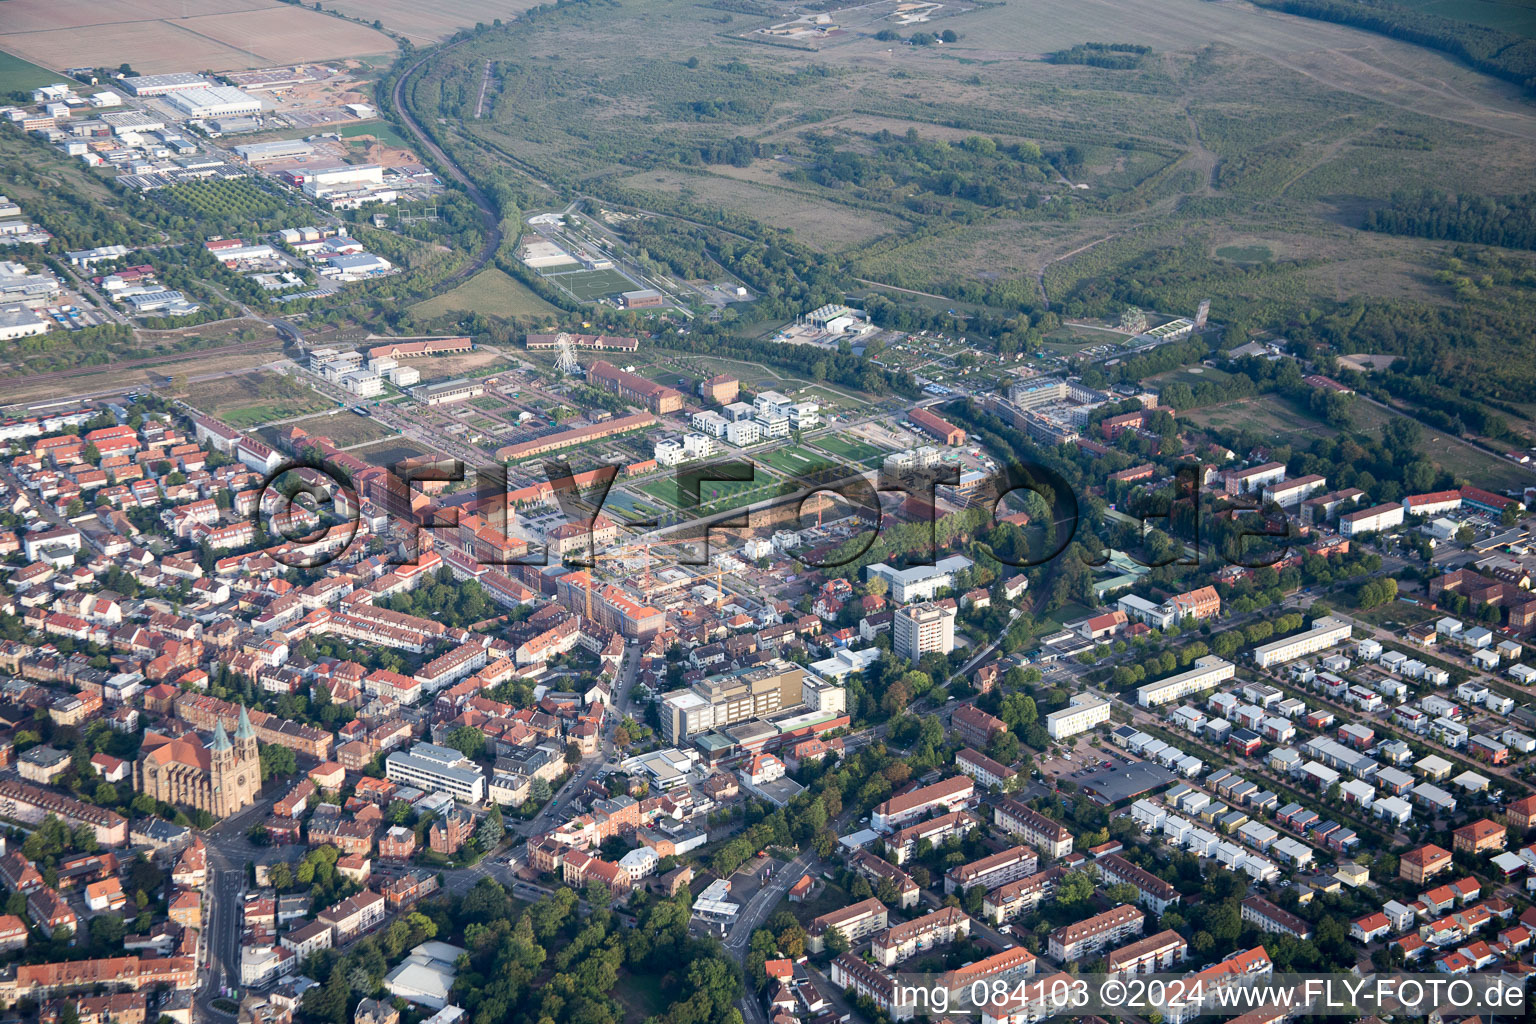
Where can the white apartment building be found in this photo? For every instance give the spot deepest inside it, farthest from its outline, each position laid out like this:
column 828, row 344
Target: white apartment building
column 919, row 629
column 743, row 432
column 1083, row 713
column 1325, row 633
column 1208, row 671
column 1371, row 520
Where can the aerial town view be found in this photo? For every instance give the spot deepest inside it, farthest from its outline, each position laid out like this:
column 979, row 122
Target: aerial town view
column 767, row 512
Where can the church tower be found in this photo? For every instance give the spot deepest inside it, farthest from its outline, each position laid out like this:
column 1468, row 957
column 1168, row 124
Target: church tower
column 245, row 740
column 221, row 771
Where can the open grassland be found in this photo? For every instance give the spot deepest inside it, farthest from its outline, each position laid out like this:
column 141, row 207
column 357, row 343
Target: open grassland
column 1282, row 422
column 1247, row 128
column 492, row 292
column 157, row 36
column 821, row 223
column 251, row 399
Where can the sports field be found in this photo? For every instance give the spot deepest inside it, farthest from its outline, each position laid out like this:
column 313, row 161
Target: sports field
column 591, row 285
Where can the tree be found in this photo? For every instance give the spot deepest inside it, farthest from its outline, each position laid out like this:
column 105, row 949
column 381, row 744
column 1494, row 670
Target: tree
column 106, row 794
column 572, row 753
column 488, row 835
column 467, row 740
column 1074, row 887
column 538, row 790
column 276, row 760
column 836, row 942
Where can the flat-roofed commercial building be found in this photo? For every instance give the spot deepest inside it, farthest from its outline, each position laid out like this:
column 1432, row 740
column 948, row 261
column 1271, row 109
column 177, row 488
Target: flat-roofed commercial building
column 731, row 698
column 448, row 391
column 437, row 769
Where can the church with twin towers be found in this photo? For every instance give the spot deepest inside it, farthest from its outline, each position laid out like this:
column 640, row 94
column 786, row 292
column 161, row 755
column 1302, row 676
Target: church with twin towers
column 222, row 777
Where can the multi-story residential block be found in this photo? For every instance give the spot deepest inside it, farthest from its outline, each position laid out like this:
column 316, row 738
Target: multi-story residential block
column 1084, row 712
column 1021, row 897
column 1084, row 938
column 1048, row 836
column 854, row 922
column 993, row 870
column 901, row 844
column 1267, row 917
column 919, row 935
column 1155, row 894
column 983, row 769
column 1324, row 633
column 948, row 795
column 975, row 726
column 1419, row 865
column 920, row 629
column 1151, row 955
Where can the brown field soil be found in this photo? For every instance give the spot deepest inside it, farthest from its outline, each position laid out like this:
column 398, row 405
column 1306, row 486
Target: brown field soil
column 427, row 23
column 154, row 36
column 438, row 368
column 387, row 453
column 345, row 428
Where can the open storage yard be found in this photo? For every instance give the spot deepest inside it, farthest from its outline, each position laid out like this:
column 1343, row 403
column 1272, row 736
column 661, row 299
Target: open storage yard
column 157, row 36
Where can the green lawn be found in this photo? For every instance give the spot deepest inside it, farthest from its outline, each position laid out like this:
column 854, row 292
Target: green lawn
column 795, row 461
column 852, row 450
column 381, row 130
column 17, row 75
column 492, row 292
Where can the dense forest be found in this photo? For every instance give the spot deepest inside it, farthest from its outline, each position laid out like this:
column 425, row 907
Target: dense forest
column 1508, row 222
column 1114, row 56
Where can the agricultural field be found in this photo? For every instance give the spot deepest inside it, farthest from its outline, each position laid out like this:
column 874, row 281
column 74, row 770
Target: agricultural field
column 156, row 36
column 430, row 23
column 1235, row 163
column 492, row 292
column 251, row 399
column 17, row 75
